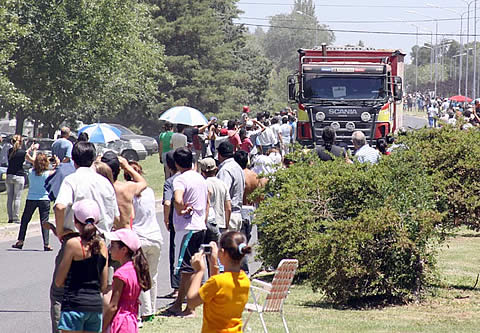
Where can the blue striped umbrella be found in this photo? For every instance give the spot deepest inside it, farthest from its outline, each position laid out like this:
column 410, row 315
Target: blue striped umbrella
column 184, row 115
column 101, row 133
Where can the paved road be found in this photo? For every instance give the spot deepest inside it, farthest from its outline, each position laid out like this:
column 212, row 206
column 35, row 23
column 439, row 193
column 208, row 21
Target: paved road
column 25, row 281
column 414, row 122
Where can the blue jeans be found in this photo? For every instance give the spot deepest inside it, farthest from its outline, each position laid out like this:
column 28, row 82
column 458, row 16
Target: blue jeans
column 431, row 122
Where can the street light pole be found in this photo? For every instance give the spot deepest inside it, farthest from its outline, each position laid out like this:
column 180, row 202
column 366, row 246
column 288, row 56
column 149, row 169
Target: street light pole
column 314, row 21
column 474, row 94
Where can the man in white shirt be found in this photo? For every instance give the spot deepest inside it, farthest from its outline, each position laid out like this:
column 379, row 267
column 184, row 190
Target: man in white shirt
column 266, row 140
column 84, row 183
column 178, row 139
column 364, row 153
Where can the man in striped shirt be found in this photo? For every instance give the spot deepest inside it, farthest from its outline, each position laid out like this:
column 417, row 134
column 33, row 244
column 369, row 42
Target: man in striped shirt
column 363, row 152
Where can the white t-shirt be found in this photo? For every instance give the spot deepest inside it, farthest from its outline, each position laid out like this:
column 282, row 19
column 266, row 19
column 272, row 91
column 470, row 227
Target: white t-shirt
column 276, row 130
column 178, row 140
column 85, row 183
column 145, row 223
column 219, row 194
column 285, row 130
column 266, row 138
column 263, row 165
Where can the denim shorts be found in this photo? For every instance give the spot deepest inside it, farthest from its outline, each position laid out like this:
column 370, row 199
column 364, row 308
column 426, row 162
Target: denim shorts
column 80, row 321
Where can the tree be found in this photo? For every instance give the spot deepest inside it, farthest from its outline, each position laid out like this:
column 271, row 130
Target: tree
column 10, row 33
column 209, row 56
column 83, row 60
column 290, row 32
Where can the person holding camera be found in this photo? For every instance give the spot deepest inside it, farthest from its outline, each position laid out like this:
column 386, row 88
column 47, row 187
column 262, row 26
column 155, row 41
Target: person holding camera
column 37, row 196
column 223, row 295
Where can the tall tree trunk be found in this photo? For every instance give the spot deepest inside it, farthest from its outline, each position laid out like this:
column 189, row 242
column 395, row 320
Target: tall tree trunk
column 20, row 117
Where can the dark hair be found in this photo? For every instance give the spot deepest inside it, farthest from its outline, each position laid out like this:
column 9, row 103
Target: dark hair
column 180, row 128
column 171, row 161
column 225, row 149
column 230, row 242
column 274, row 120
column 168, row 126
column 183, row 157
column 82, row 137
column 88, row 234
column 390, row 139
column 284, row 120
column 382, row 145
column 241, row 157
column 260, row 116
column 242, row 133
column 40, row 165
column 140, row 264
column 328, row 137
column 231, row 124
column 83, row 154
column 111, row 159
column 266, row 114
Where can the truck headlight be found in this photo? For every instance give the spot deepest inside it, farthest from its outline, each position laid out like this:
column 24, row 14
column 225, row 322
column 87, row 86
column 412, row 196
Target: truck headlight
column 320, row 116
column 335, row 125
column 350, row 126
column 366, row 116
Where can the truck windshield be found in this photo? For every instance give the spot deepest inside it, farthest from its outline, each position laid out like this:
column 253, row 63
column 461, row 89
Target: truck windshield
column 343, row 88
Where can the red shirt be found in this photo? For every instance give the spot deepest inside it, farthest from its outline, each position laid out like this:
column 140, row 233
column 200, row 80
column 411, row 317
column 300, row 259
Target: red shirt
column 234, row 139
column 246, row 145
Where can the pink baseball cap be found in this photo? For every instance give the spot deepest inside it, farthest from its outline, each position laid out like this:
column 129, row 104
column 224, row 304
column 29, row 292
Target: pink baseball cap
column 86, row 210
column 126, row 236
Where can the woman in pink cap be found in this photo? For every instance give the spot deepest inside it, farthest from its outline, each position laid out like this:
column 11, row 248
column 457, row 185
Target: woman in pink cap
column 121, row 313
column 83, row 271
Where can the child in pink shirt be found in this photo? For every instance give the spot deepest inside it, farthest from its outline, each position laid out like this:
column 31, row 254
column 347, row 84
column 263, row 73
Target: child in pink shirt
column 132, row 277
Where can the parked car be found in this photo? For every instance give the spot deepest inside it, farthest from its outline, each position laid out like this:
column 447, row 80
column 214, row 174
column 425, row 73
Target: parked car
column 150, row 144
column 45, row 145
column 129, row 150
column 3, row 177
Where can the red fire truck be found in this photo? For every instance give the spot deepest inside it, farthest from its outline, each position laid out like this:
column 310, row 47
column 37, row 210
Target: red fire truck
column 350, row 89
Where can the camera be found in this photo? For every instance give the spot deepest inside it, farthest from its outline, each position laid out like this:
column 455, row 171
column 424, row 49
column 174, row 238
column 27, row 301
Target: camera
column 207, row 248
column 51, row 159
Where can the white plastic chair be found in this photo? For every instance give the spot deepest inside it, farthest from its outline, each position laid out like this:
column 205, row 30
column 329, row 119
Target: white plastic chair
column 276, row 292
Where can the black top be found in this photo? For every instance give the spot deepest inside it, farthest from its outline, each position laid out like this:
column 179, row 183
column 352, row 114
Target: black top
column 326, row 155
column 15, row 164
column 82, row 287
column 190, row 132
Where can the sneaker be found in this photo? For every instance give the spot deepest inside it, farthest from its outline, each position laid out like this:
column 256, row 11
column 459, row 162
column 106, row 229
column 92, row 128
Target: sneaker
column 140, row 324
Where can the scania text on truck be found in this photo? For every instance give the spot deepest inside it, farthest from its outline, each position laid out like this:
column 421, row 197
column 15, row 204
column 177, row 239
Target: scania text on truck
column 350, row 89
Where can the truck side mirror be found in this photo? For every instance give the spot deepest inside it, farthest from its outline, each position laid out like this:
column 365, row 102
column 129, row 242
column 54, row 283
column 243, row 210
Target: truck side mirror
column 397, row 88
column 292, row 93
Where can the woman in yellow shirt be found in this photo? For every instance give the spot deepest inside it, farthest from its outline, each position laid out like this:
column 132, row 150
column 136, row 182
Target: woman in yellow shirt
column 224, row 295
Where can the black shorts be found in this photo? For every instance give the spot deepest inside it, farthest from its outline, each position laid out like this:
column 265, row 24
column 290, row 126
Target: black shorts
column 187, row 243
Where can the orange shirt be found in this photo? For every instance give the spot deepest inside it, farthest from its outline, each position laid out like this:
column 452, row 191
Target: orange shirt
column 224, row 297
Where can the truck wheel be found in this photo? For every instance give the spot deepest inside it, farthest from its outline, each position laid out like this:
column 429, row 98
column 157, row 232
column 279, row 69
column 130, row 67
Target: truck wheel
column 130, row 155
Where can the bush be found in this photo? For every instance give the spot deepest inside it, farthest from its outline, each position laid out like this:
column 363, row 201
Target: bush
column 450, row 157
column 358, row 230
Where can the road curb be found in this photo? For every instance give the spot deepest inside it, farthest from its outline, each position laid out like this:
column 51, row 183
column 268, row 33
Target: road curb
column 10, row 231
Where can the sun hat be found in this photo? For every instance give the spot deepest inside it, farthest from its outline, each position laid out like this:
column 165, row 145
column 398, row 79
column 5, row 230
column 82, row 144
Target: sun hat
column 126, row 236
column 207, row 164
column 86, row 211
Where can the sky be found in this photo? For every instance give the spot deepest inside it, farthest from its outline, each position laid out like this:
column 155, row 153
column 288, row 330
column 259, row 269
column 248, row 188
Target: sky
column 447, row 12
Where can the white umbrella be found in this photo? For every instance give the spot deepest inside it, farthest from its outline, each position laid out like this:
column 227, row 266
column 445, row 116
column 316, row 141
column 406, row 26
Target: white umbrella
column 184, row 115
column 101, row 133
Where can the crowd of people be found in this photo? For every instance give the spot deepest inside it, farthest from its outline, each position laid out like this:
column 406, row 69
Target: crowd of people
column 442, row 111
column 106, row 271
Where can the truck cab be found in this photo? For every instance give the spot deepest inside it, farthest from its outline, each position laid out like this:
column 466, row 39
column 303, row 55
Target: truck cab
column 349, row 89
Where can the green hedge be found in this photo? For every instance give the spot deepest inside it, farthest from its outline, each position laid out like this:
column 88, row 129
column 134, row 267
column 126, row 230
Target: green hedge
column 358, row 230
